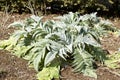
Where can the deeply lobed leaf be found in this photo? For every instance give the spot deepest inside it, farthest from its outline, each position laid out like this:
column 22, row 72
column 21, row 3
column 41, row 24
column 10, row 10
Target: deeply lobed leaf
column 43, row 43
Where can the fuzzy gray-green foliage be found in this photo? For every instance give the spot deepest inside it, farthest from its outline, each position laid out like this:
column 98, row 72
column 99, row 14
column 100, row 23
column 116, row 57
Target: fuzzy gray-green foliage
column 48, row 43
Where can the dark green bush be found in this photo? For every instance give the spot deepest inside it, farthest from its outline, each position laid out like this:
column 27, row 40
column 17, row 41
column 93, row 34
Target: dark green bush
column 83, row 6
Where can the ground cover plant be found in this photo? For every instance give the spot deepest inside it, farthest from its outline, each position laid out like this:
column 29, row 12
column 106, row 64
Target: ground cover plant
column 113, row 61
column 48, row 45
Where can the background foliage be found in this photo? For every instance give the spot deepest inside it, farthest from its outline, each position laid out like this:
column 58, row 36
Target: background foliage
column 83, row 6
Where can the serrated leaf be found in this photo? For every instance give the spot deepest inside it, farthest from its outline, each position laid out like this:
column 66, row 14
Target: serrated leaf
column 38, row 59
column 82, row 61
column 49, row 57
column 70, row 48
column 17, row 24
column 89, row 39
column 62, row 53
column 48, row 73
column 113, row 61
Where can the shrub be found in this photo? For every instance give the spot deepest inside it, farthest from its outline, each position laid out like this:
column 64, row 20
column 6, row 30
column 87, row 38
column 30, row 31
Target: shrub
column 83, row 6
column 47, row 45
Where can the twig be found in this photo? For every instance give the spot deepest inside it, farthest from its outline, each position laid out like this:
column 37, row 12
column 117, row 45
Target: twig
column 6, row 16
column 111, row 71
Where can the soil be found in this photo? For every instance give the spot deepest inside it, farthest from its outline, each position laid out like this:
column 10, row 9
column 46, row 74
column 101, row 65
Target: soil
column 14, row 68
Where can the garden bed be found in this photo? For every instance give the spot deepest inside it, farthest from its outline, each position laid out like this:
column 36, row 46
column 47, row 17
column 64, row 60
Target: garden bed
column 14, row 68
